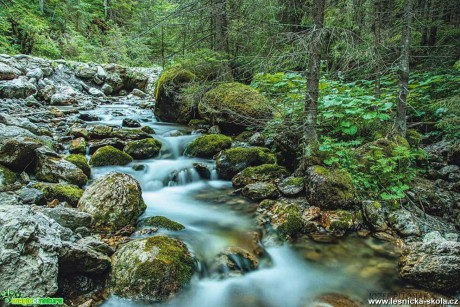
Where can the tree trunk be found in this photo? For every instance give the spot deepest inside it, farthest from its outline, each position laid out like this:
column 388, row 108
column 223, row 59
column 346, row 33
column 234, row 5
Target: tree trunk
column 401, row 123
column 106, row 8
column 220, row 26
column 41, row 4
column 313, row 74
column 377, row 27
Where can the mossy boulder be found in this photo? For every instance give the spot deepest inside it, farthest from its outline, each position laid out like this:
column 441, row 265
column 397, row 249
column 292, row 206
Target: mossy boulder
column 161, row 222
column 114, row 200
column 143, row 149
column 62, row 192
column 7, row 178
column 206, row 146
column 234, row 106
column 100, row 132
column 170, row 105
column 337, row 221
column 151, row 269
column 260, row 190
column 19, row 152
column 80, row 161
column 232, row 161
column 329, row 188
column 109, row 155
column 374, row 215
column 367, row 154
column 148, row 129
column 260, row 173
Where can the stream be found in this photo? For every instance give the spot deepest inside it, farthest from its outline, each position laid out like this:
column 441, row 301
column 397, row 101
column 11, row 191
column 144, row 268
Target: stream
column 215, row 219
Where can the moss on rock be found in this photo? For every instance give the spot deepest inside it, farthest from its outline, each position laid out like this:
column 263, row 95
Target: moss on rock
column 7, row 177
column 78, row 146
column 234, row 106
column 329, row 188
column 109, row 155
column 143, row 149
column 148, row 129
column 151, row 269
column 260, row 173
column 161, row 222
column 80, row 161
column 62, row 192
column 206, row 146
column 232, row 161
column 337, row 221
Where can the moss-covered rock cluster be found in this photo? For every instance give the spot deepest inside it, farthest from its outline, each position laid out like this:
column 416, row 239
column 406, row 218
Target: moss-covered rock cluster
column 261, row 173
column 232, row 161
column 151, row 269
column 206, row 146
column 109, row 155
column 143, row 149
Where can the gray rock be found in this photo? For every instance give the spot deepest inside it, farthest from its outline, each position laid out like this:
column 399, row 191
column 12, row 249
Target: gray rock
column 68, row 217
column 257, row 139
column 96, row 244
column 7, row 72
column 100, row 76
column 17, row 88
column 22, row 122
column 129, row 122
column 434, row 265
column 95, row 145
column 433, row 236
column 107, row 89
column 291, row 186
column 374, row 215
column 29, row 251
column 36, row 73
column 95, row 92
column 138, row 93
column 31, row 196
column 85, row 71
column 82, row 258
column 9, row 199
column 451, row 237
column 18, row 152
column 46, row 89
column 405, row 223
column 114, row 200
column 64, row 96
column 214, row 130
column 52, row 168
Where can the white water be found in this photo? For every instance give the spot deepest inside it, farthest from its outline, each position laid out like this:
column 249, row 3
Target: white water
column 214, row 220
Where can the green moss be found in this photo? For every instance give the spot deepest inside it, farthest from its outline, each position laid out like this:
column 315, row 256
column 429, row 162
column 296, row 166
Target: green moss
column 130, row 134
column 198, row 123
column 258, row 155
column 206, row 146
column 80, row 162
column 161, row 222
column 109, row 155
column 148, row 129
column 62, row 192
column 234, row 106
column 295, row 181
column 244, row 136
column 338, row 220
column 414, row 137
column 7, row 176
column 143, row 149
column 170, row 79
column 292, row 226
column 264, row 173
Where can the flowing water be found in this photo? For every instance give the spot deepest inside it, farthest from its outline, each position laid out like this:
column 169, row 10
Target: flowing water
column 215, row 219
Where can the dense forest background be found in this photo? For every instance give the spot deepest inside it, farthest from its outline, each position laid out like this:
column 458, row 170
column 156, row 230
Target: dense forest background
column 335, row 72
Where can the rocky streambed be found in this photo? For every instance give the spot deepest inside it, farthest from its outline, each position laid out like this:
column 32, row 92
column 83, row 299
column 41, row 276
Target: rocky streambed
column 102, row 203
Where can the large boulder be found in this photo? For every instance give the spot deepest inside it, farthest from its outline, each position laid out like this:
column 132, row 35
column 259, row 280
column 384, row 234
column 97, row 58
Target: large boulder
column 114, row 200
column 206, row 146
column 151, row 269
column 19, row 122
column 64, row 96
column 260, row 190
column 17, row 88
column 68, row 217
column 7, row 72
column 170, row 105
column 19, row 152
column 109, row 155
column 232, row 161
column 261, row 173
column 29, row 251
column 329, row 188
column 234, row 106
column 52, row 168
column 143, row 149
column 433, row 264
